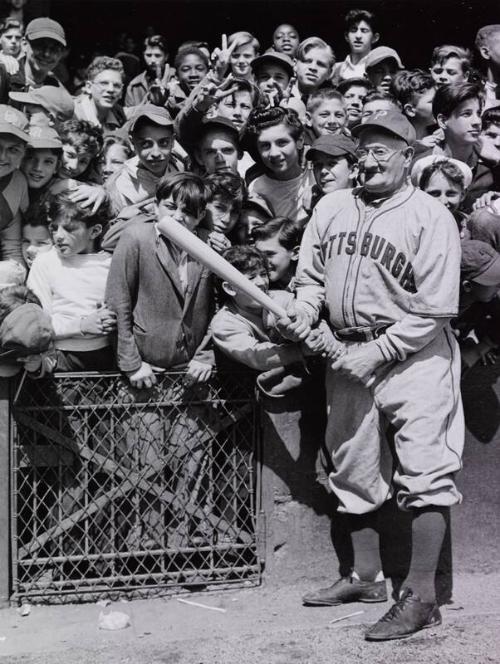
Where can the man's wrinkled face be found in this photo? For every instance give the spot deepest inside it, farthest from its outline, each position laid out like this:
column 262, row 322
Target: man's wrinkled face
column 383, row 160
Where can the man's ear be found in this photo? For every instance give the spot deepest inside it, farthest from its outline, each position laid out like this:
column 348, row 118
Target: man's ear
column 409, row 110
column 308, row 122
column 295, row 253
column 466, row 286
column 409, row 152
column 300, row 143
column 228, row 289
column 441, row 120
column 376, row 37
column 353, row 173
column 87, row 87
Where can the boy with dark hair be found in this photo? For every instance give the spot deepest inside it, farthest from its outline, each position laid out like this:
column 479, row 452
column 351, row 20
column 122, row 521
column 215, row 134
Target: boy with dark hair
column 488, row 46
column 286, row 40
column 239, row 328
column 457, row 109
column 415, row 90
column 162, row 297
column 151, row 84
column 191, row 65
column 450, row 64
column 82, row 143
column 361, row 35
column 70, row 281
column 279, row 241
column 490, row 136
column 354, row 91
column 381, row 66
column 99, row 104
column 223, row 208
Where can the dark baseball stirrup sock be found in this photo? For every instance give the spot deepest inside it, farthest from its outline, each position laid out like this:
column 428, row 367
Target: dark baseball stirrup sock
column 366, row 545
column 428, row 531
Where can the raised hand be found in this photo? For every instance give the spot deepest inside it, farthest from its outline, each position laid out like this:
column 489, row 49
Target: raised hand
column 221, row 57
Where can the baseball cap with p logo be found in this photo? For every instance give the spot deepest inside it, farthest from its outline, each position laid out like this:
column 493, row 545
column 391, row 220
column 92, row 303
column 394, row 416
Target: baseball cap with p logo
column 393, row 122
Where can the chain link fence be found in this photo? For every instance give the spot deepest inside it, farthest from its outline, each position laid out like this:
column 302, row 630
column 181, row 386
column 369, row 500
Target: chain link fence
column 118, row 491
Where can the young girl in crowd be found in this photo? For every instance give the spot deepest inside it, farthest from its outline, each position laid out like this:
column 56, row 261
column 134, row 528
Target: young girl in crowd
column 276, row 138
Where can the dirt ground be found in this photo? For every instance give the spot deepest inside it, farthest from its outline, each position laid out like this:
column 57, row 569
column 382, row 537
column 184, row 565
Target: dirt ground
column 265, row 625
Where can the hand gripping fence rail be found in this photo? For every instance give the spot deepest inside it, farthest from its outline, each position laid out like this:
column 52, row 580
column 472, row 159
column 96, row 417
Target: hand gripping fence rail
column 118, row 491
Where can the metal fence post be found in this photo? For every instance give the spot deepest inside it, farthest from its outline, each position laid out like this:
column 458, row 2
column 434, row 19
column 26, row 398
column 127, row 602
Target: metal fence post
column 4, row 494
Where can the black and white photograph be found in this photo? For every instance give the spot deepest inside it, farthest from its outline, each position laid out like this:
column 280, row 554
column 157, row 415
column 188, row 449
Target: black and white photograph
column 249, row 331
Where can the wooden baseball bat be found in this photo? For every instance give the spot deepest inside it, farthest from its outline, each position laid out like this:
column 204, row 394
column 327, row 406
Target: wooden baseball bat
column 204, row 254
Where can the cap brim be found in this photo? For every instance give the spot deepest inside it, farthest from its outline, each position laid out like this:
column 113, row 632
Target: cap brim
column 155, row 119
column 47, row 143
column 22, row 97
column 330, row 153
column 491, row 276
column 6, row 128
column 271, row 58
column 46, row 34
column 356, row 131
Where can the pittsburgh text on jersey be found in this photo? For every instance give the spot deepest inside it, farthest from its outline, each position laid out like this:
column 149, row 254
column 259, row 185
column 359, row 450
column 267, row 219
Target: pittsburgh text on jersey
column 376, row 248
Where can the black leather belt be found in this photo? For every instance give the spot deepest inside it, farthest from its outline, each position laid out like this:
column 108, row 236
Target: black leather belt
column 361, row 334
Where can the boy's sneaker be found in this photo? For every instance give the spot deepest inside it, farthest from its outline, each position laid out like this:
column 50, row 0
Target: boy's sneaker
column 347, row 589
column 407, row 616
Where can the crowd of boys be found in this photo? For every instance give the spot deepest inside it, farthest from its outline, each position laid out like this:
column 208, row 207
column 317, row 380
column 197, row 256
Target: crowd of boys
column 243, row 144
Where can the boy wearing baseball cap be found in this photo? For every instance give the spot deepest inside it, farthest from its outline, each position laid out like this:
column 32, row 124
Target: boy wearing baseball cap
column 334, row 164
column 45, row 45
column 46, row 105
column 26, row 333
column 13, row 189
column 151, row 131
column 381, row 66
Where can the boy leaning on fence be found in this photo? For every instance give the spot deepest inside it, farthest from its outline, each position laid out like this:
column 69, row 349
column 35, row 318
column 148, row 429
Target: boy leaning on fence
column 163, row 302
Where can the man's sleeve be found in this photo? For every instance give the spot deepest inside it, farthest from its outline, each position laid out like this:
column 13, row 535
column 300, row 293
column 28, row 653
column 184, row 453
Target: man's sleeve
column 10, row 240
column 310, row 279
column 436, row 273
column 120, row 292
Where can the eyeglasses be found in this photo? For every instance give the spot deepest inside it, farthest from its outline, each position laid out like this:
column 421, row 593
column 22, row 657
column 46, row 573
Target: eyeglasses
column 379, row 154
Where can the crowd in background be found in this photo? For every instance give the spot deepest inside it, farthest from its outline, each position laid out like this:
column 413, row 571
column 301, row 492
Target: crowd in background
column 237, row 142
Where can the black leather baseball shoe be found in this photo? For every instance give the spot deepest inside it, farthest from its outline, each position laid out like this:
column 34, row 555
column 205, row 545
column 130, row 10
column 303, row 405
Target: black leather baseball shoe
column 407, row 616
column 347, row 589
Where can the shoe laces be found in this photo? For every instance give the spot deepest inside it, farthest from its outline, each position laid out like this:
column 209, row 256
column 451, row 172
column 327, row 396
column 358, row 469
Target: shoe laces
column 397, row 609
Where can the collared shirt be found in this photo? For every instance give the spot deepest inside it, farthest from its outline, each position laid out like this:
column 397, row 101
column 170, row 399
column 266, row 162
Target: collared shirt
column 345, row 70
column 180, row 257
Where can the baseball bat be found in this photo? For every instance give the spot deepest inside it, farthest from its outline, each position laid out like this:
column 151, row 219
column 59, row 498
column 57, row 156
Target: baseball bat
column 205, row 255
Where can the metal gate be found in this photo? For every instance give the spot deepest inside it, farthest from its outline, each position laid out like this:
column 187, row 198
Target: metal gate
column 120, row 491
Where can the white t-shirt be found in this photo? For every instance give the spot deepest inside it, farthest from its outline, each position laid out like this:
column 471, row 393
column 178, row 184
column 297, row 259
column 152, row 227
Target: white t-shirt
column 70, row 289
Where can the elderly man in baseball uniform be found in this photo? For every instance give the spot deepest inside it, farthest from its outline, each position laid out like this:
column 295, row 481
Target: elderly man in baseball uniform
column 384, row 260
